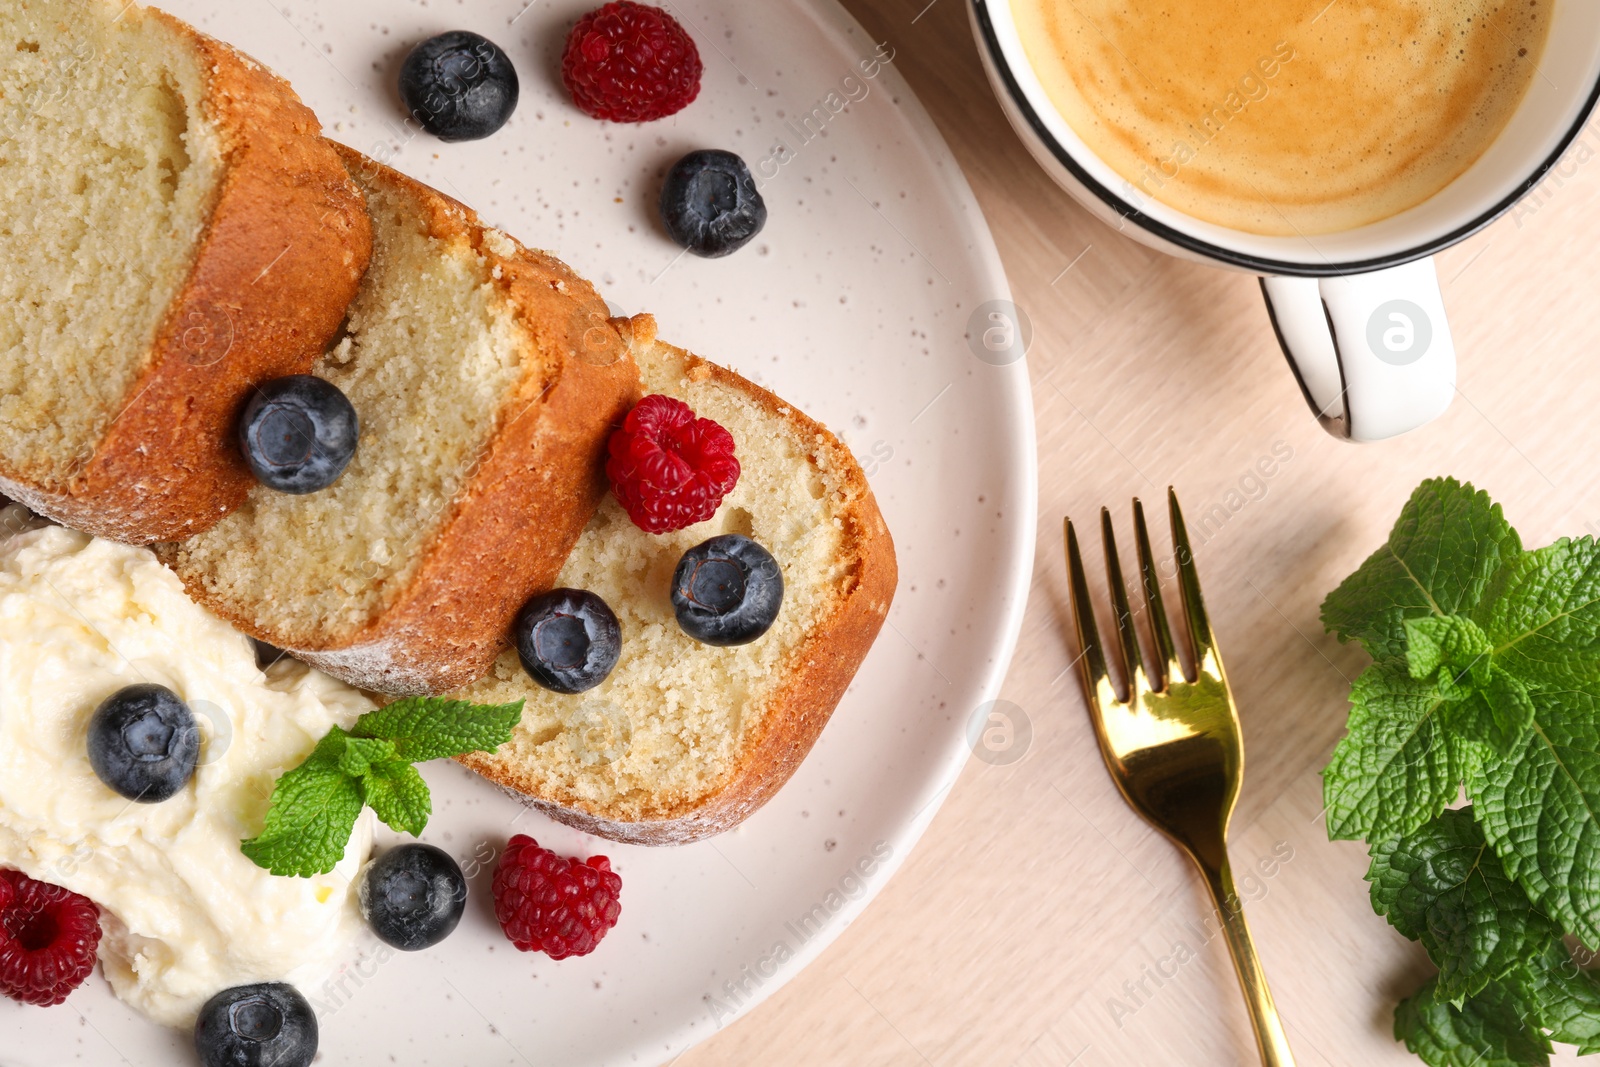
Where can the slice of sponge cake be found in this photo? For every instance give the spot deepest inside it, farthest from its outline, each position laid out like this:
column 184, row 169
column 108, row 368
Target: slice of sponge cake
column 173, row 230
column 486, row 378
column 685, row 740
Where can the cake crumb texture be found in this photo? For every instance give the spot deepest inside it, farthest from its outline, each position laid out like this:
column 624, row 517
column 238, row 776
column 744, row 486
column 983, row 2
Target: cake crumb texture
column 173, row 231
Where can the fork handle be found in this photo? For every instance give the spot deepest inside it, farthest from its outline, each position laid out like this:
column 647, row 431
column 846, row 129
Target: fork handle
column 1270, row 1037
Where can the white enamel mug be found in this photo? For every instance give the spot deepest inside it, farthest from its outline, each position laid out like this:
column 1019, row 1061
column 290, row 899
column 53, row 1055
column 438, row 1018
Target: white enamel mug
column 1358, row 313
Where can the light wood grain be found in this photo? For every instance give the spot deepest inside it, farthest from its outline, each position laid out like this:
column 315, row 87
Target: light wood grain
column 1009, row 934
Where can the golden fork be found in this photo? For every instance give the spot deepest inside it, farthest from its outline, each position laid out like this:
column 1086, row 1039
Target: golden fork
column 1173, row 747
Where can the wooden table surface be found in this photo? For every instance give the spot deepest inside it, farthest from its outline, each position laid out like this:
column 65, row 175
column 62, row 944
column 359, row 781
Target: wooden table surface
column 1034, row 923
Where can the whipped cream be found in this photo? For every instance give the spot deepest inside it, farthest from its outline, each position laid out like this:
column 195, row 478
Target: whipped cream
column 185, row 913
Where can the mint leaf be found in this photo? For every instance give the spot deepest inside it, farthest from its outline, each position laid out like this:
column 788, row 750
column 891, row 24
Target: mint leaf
column 1488, row 1030
column 310, row 816
column 360, row 753
column 1512, row 1021
column 1545, row 620
column 1395, row 769
column 1540, row 809
column 1442, row 554
column 397, row 794
column 315, row 806
column 1444, row 886
column 1512, row 707
column 430, row 728
column 1500, row 724
column 1483, row 703
column 1565, row 998
column 1452, row 650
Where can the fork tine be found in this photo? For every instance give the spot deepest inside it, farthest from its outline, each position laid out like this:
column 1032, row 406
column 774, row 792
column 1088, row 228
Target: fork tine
column 1092, row 663
column 1194, row 605
column 1165, row 653
column 1129, row 638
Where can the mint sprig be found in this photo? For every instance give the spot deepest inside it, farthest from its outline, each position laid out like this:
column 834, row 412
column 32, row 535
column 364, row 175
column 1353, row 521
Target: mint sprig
column 314, row 807
column 1486, row 678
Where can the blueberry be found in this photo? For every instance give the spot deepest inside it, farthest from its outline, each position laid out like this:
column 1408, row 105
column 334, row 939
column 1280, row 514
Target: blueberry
column 727, row 591
column 568, row 640
column 413, row 896
column 710, row 204
column 459, row 86
column 267, row 1025
column 144, row 743
column 298, row 433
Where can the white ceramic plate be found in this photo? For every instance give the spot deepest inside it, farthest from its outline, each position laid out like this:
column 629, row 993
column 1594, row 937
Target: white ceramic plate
column 854, row 304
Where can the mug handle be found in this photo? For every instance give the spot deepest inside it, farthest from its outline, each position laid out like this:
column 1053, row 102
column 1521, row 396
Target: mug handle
column 1372, row 352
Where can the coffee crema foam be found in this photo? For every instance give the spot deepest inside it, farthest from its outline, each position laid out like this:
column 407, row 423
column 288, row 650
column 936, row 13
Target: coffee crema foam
column 1286, row 117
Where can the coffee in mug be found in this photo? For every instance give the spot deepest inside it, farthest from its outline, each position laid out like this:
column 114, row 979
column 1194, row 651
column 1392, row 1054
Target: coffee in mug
column 1286, row 117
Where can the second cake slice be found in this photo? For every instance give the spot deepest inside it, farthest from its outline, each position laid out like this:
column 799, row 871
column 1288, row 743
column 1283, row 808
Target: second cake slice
column 487, row 378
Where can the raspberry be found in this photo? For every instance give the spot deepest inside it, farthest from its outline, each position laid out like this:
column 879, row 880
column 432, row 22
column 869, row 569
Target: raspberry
column 669, row 469
column 552, row 904
column 48, row 938
column 629, row 62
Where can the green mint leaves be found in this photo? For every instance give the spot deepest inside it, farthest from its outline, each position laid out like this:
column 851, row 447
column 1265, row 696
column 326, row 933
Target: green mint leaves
column 1540, row 810
column 1545, row 619
column 1486, row 1031
column 1398, row 766
column 1448, row 545
column 1486, row 676
column 436, row 728
column 1486, row 679
column 1512, row 1021
column 315, row 806
column 1444, row 886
